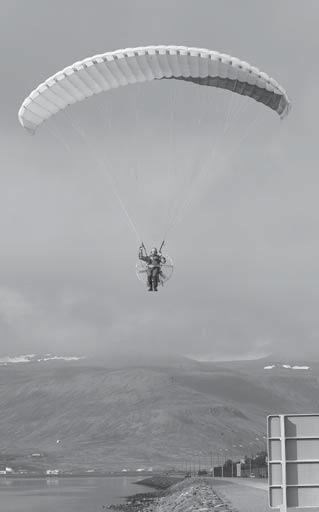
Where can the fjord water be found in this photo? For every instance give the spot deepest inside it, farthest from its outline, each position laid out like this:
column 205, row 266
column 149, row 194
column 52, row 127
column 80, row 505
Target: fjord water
column 64, row 494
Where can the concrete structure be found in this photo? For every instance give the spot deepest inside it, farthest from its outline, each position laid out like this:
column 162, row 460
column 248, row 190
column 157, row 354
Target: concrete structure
column 293, row 459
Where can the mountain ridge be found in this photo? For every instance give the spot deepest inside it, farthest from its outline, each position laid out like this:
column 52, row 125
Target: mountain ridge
column 144, row 416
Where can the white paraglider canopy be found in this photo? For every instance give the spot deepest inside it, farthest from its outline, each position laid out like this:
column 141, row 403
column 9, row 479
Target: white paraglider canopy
column 131, row 65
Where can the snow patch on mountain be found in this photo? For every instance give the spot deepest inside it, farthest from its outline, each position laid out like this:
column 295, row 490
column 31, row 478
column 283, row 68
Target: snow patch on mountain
column 286, row 366
column 36, row 358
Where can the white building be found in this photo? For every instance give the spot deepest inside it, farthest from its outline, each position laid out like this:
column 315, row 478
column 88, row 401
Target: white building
column 52, row 472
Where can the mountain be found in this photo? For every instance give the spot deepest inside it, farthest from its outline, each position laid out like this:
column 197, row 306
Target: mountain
column 77, row 415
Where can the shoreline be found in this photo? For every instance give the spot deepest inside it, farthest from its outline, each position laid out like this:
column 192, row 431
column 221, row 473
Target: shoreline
column 42, row 476
column 186, row 495
column 160, row 482
column 143, row 501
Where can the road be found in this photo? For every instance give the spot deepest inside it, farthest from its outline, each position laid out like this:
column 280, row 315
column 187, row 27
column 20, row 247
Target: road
column 248, row 494
column 256, row 483
column 245, row 495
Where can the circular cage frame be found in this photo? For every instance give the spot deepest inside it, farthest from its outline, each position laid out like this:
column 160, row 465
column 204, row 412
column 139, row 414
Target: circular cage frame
column 166, row 272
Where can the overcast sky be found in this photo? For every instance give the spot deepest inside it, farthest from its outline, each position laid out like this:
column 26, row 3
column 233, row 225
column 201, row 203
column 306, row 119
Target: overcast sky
column 246, row 251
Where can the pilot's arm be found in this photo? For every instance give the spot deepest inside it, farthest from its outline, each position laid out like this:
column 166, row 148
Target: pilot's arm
column 141, row 255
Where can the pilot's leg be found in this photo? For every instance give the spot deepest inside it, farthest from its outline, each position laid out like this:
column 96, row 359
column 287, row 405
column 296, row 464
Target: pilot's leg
column 155, row 278
column 149, row 280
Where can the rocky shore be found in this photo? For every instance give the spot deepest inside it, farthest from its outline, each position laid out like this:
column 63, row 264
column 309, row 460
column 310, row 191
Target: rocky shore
column 160, row 482
column 189, row 495
column 141, row 502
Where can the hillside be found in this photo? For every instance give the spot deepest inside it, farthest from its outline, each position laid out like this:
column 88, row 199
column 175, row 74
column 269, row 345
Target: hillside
column 80, row 416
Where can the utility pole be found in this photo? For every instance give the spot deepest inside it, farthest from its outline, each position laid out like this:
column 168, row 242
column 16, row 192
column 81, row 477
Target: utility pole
column 232, row 465
column 220, row 464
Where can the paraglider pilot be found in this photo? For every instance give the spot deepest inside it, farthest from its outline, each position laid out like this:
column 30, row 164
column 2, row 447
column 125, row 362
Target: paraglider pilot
column 154, row 262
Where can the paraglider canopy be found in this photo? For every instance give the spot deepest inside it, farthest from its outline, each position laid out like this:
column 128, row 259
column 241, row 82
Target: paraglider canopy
column 122, row 67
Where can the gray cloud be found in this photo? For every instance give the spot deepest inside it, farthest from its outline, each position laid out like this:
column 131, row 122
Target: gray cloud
column 246, row 251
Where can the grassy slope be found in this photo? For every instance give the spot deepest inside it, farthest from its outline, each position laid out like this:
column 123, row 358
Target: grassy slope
column 142, row 416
